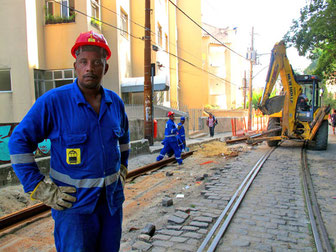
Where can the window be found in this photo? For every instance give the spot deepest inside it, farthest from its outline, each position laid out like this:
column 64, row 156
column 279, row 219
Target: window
column 62, row 12
column 159, row 34
column 5, row 80
column 95, row 13
column 50, row 8
column 123, row 23
column 48, row 79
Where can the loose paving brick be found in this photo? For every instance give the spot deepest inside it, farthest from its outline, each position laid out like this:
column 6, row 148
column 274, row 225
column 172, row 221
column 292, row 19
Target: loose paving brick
column 165, row 244
column 181, row 214
column 174, row 219
column 199, row 224
column 170, row 232
column 178, row 239
column 161, row 237
column 141, row 246
column 192, row 235
column 203, row 219
column 190, row 228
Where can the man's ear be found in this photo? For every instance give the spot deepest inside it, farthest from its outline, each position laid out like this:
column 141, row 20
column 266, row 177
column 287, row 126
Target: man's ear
column 106, row 68
column 74, row 64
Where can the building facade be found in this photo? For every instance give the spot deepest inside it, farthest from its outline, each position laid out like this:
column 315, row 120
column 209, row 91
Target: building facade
column 38, row 35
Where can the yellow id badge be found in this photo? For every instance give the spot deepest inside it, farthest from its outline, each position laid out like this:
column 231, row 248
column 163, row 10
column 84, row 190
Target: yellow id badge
column 73, row 156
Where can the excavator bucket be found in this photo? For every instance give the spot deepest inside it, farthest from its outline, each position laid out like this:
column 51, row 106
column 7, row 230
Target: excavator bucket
column 274, row 105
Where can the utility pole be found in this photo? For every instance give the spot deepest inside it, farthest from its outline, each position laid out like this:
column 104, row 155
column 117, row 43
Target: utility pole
column 244, row 87
column 250, row 84
column 148, row 93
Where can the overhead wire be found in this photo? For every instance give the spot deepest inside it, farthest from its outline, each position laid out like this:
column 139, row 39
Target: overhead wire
column 220, row 42
column 140, row 38
column 152, row 32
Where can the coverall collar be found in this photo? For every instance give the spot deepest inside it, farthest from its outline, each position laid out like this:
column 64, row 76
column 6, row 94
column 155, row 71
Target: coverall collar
column 79, row 97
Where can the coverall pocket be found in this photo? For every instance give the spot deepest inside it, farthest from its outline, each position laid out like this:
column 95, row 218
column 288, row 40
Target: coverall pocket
column 75, row 155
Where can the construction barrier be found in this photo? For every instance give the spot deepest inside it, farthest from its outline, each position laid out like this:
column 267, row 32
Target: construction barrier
column 240, row 125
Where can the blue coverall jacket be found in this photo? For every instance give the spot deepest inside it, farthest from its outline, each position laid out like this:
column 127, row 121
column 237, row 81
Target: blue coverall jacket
column 170, row 142
column 86, row 149
column 181, row 136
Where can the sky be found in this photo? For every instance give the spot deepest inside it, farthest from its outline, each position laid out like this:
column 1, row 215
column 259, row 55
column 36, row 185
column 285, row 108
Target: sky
column 271, row 20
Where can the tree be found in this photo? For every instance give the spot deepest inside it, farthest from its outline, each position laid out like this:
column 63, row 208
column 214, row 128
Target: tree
column 314, row 34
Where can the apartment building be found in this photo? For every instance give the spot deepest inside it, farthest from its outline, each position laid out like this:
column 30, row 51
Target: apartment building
column 38, row 35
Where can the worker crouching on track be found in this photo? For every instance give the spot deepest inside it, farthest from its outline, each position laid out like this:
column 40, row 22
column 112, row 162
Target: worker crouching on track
column 170, row 141
column 88, row 129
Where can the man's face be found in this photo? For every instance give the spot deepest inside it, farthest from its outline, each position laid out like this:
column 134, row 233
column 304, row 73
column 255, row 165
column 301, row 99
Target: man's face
column 171, row 117
column 90, row 68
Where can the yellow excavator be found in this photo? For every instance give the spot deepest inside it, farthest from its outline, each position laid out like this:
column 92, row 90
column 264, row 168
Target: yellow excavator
column 295, row 114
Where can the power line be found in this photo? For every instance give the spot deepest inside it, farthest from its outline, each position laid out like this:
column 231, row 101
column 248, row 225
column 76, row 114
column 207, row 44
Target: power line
column 192, row 20
column 136, row 23
column 99, row 20
column 182, row 59
column 188, row 62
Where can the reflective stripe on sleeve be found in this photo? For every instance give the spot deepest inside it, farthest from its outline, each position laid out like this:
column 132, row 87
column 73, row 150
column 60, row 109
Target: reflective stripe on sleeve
column 22, row 158
column 84, row 183
column 124, row 147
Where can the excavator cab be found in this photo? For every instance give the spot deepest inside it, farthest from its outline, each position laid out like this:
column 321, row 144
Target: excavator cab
column 309, row 100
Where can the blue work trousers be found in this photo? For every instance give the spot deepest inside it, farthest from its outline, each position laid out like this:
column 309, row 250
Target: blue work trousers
column 99, row 231
column 168, row 148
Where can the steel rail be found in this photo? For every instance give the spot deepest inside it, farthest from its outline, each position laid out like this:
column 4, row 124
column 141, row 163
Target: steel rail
column 240, row 193
column 28, row 212
column 319, row 231
column 146, row 168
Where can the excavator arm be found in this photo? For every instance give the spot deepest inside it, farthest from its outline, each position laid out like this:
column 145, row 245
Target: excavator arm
column 279, row 64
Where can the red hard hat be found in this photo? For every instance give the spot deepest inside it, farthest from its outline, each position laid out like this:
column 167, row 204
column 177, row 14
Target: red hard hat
column 91, row 38
column 170, row 113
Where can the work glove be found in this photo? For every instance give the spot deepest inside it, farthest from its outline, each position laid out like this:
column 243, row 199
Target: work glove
column 56, row 197
column 123, row 174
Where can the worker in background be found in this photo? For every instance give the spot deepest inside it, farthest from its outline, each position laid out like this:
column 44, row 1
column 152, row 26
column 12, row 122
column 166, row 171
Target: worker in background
column 170, row 141
column 333, row 121
column 88, row 129
column 181, row 135
column 211, row 123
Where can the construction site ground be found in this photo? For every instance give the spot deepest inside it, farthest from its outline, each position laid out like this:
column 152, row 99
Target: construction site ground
column 186, row 185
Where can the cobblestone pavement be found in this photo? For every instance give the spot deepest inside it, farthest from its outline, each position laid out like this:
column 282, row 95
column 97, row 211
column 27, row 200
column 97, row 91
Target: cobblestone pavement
column 272, row 216
column 322, row 166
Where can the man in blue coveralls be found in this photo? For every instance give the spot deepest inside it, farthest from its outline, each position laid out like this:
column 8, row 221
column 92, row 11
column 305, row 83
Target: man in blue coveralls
column 170, row 141
column 181, row 134
column 88, row 129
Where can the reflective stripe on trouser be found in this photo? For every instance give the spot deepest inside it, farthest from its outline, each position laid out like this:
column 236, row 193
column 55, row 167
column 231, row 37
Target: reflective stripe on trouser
column 84, row 183
column 99, row 231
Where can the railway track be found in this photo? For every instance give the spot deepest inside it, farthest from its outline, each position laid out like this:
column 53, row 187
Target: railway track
column 218, row 230
column 319, row 231
column 21, row 216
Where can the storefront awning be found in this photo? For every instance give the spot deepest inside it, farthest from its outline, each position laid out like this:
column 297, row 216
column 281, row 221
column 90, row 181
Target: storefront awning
column 136, row 85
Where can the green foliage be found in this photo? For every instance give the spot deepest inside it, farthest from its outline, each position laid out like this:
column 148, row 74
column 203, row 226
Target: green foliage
column 256, row 96
column 51, row 19
column 328, row 99
column 96, row 22
column 314, row 34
